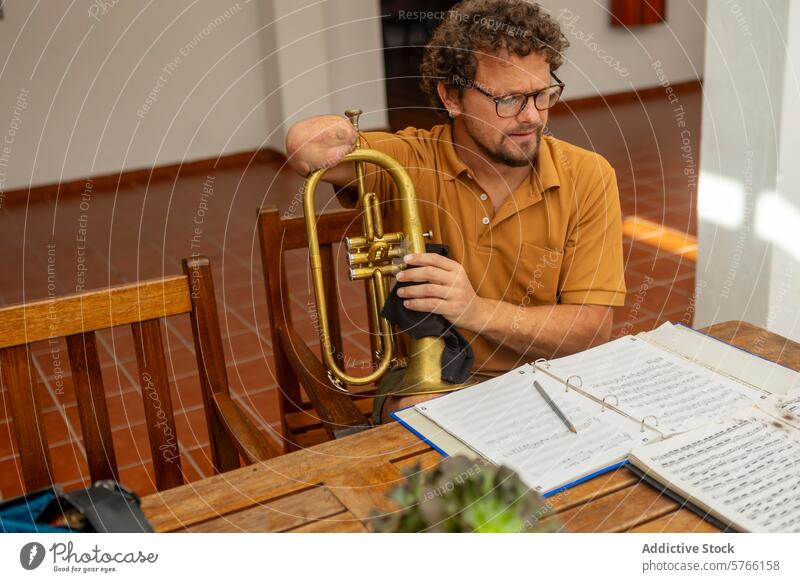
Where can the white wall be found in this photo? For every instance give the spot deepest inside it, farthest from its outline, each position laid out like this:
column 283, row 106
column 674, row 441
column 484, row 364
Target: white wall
column 778, row 218
column 89, row 74
column 749, row 187
column 261, row 66
column 604, row 59
column 331, row 59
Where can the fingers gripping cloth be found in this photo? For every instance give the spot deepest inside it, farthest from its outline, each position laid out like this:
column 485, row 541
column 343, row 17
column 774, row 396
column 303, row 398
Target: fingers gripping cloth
column 457, row 357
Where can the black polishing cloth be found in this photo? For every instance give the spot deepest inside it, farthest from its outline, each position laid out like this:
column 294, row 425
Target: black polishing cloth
column 457, row 357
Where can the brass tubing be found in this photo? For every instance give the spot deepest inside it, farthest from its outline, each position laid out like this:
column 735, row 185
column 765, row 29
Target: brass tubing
column 356, row 259
column 412, row 235
column 375, row 212
column 366, row 213
column 376, row 316
column 358, row 242
column 382, row 292
column 358, row 273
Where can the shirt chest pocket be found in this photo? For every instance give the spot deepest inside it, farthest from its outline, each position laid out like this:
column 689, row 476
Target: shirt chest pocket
column 536, row 275
column 527, row 278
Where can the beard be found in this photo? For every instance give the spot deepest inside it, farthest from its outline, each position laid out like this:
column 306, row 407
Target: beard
column 509, row 154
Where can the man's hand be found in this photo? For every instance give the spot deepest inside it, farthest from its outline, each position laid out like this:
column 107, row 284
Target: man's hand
column 443, row 287
column 320, row 142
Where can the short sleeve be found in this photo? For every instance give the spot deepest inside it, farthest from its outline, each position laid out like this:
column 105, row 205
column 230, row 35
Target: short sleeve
column 592, row 271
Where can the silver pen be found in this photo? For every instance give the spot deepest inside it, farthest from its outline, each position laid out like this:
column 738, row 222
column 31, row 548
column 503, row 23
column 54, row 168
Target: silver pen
column 555, row 407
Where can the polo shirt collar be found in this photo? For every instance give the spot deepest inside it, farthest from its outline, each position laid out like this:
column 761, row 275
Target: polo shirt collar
column 454, row 166
column 544, row 176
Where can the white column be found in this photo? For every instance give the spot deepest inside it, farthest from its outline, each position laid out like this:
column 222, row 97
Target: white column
column 330, row 58
column 749, row 187
column 778, row 215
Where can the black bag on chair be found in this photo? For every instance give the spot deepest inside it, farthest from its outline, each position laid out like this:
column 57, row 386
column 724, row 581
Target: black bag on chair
column 104, row 507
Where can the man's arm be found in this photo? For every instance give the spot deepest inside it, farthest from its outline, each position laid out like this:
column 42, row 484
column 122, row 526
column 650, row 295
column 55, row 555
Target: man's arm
column 535, row 332
column 546, row 331
column 322, row 142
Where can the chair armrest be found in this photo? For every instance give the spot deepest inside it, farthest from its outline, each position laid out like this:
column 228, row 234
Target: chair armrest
column 251, row 444
column 338, row 413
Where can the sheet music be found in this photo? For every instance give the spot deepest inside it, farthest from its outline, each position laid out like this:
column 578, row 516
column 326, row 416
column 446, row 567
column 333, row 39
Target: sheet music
column 508, row 422
column 791, row 405
column 746, row 470
column 783, row 408
column 644, row 381
column 724, row 358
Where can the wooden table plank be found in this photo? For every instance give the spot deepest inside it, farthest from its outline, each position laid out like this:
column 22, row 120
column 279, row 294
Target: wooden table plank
column 758, row 341
column 426, row 460
column 681, row 520
column 182, row 507
column 617, row 511
column 592, row 489
column 362, row 489
column 283, row 514
column 343, row 523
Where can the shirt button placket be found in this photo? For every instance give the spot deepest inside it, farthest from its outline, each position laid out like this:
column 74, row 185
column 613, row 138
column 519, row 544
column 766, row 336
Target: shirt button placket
column 483, row 196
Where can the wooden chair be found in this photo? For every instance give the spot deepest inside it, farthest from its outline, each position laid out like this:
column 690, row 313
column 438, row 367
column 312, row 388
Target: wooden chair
column 140, row 305
column 328, row 413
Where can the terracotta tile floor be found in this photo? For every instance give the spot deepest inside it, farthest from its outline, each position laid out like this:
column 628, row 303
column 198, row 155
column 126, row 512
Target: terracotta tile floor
column 142, row 230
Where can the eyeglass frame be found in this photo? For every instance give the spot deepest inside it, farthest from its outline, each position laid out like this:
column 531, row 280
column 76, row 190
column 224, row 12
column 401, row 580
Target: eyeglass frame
column 559, row 83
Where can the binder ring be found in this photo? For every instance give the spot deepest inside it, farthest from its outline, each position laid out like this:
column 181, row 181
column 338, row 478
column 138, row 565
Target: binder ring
column 569, row 383
column 649, row 416
column 616, row 401
column 542, row 363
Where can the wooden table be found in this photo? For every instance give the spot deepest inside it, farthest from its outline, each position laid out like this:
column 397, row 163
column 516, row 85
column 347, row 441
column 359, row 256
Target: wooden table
column 334, row 486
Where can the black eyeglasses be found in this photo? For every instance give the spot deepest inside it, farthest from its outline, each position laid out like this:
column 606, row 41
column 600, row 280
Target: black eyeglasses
column 514, row 104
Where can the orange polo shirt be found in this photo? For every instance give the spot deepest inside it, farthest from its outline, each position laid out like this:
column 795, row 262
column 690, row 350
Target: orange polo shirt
column 556, row 239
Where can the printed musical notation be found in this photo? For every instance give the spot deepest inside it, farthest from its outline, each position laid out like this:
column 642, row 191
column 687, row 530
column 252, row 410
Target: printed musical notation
column 509, row 423
column 646, row 381
column 744, row 469
column 791, row 405
column 784, row 408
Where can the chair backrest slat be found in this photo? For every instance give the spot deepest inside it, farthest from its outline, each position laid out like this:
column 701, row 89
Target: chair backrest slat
column 210, row 359
column 332, row 227
column 92, row 409
column 270, row 235
column 16, row 375
column 158, row 411
column 93, row 310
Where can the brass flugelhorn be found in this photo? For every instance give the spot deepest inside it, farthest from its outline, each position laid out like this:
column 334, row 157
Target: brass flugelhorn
column 376, row 255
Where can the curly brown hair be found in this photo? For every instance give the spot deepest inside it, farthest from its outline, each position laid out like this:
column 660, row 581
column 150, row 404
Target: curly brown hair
column 487, row 26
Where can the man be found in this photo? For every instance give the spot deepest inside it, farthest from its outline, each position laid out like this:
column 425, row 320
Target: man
column 532, row 223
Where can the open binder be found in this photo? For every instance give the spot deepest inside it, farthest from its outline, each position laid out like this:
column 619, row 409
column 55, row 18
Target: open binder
column 741, row 472
column 622, row 396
